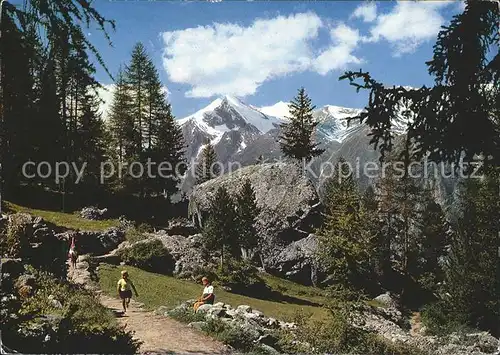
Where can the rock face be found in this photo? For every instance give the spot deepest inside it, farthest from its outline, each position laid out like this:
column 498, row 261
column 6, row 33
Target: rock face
column 289, row 206
column 185, row 251
column 389, row 322
column 95, row 242
column 94, row 213
column 297, row 260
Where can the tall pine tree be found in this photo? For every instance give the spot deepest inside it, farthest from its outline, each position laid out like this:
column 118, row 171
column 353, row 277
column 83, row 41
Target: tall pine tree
column 247, row 212
column 296, row 140
column 220, row 232
column 207, row 167
column 345, row 244
column 472, row 282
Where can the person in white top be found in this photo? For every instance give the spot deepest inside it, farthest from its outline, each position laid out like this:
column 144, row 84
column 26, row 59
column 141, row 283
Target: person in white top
column 208, row 295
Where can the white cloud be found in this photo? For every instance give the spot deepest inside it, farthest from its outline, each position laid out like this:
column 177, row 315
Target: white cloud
column 236, row 60
column 231, row 59
column 409, row 24
column 366, row 11
column 339, row 56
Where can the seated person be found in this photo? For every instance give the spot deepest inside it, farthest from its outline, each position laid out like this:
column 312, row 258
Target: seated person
column 208, row 296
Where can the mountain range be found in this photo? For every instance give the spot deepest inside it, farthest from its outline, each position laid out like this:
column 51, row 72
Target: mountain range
column 241, row 133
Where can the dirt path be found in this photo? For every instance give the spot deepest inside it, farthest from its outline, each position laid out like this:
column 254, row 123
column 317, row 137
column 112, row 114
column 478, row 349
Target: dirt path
column 159, row 334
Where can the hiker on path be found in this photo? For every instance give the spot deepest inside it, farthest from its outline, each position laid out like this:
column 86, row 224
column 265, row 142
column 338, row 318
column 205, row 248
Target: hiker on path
column 125, row 287
column 208, row 295
column 72, row 254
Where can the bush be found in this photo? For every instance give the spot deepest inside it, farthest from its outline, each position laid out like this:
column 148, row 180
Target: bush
column 133, row 235
column 149, row 255
column 337, row 335
column 186, row 315
column 145, row 228
column 240, row 277
column 439, row 320
column 16, row 239
column 65, row 318
column 234, row 336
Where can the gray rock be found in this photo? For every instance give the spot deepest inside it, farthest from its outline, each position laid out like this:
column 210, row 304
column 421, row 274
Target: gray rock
column 297, row 260
column 180, row 227
column 269, row 349
column 55, row 302
column 94, row 213
column 197, row 325
column 160, row 311
column 244, row 309
column 258, row 313
column 204, row 308
column 267, row 339
column 217, row 312
column 231, row 313
column 387, row 300
column 272, row 323
column 188, row 259
column 288, row 202
column 248, row 315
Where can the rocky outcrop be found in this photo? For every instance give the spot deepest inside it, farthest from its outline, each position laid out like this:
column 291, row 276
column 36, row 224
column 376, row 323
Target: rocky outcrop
column 388, row 322
column 289, row 207
column 186, row 252
column 297, row 260
column 259, row 328
column 94, row 213
column 95, row 242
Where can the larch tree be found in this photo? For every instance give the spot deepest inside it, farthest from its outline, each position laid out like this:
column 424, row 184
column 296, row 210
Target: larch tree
column 296, row 140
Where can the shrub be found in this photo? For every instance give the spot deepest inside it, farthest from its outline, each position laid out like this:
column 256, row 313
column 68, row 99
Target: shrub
column 337, row 335
column 231, row 335
column 133, row 235
column 149, row 255
column 65, row 318
column 145, row 228
column 241, row 277
column 237, row 337
column 439, row 320
column 186, row 315
column 16, row 241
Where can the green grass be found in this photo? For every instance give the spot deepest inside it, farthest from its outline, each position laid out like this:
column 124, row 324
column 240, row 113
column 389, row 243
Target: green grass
column 66, row 220
column 157, row 290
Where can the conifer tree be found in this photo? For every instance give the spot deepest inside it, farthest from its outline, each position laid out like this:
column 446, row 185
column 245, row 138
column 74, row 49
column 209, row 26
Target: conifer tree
column 169, row 148
column 460, row 104
column 344, row 241
column 247, row 212
column 121, row 125
column 207, row 168
column 90, row 144
column 434, row 240
column 472, row 282
column 220, row 232
column 296, row 140
column 138, row 78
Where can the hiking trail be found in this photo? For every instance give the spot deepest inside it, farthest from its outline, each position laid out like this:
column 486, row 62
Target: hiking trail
column 159, row 334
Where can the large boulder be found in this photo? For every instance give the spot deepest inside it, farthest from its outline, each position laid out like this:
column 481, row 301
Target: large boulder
column 289, row 206
column 297, row 260
column 95, row 242
column 186, row 252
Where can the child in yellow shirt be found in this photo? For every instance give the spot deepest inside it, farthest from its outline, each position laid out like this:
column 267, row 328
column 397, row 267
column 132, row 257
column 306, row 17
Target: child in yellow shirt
column 125, row 286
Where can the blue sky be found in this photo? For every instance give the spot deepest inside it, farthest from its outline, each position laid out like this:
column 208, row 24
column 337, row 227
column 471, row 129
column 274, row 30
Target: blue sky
column 263, row 51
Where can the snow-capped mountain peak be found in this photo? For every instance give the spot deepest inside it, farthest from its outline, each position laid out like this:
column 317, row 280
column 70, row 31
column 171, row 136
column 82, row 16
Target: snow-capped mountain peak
column 279, row 109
